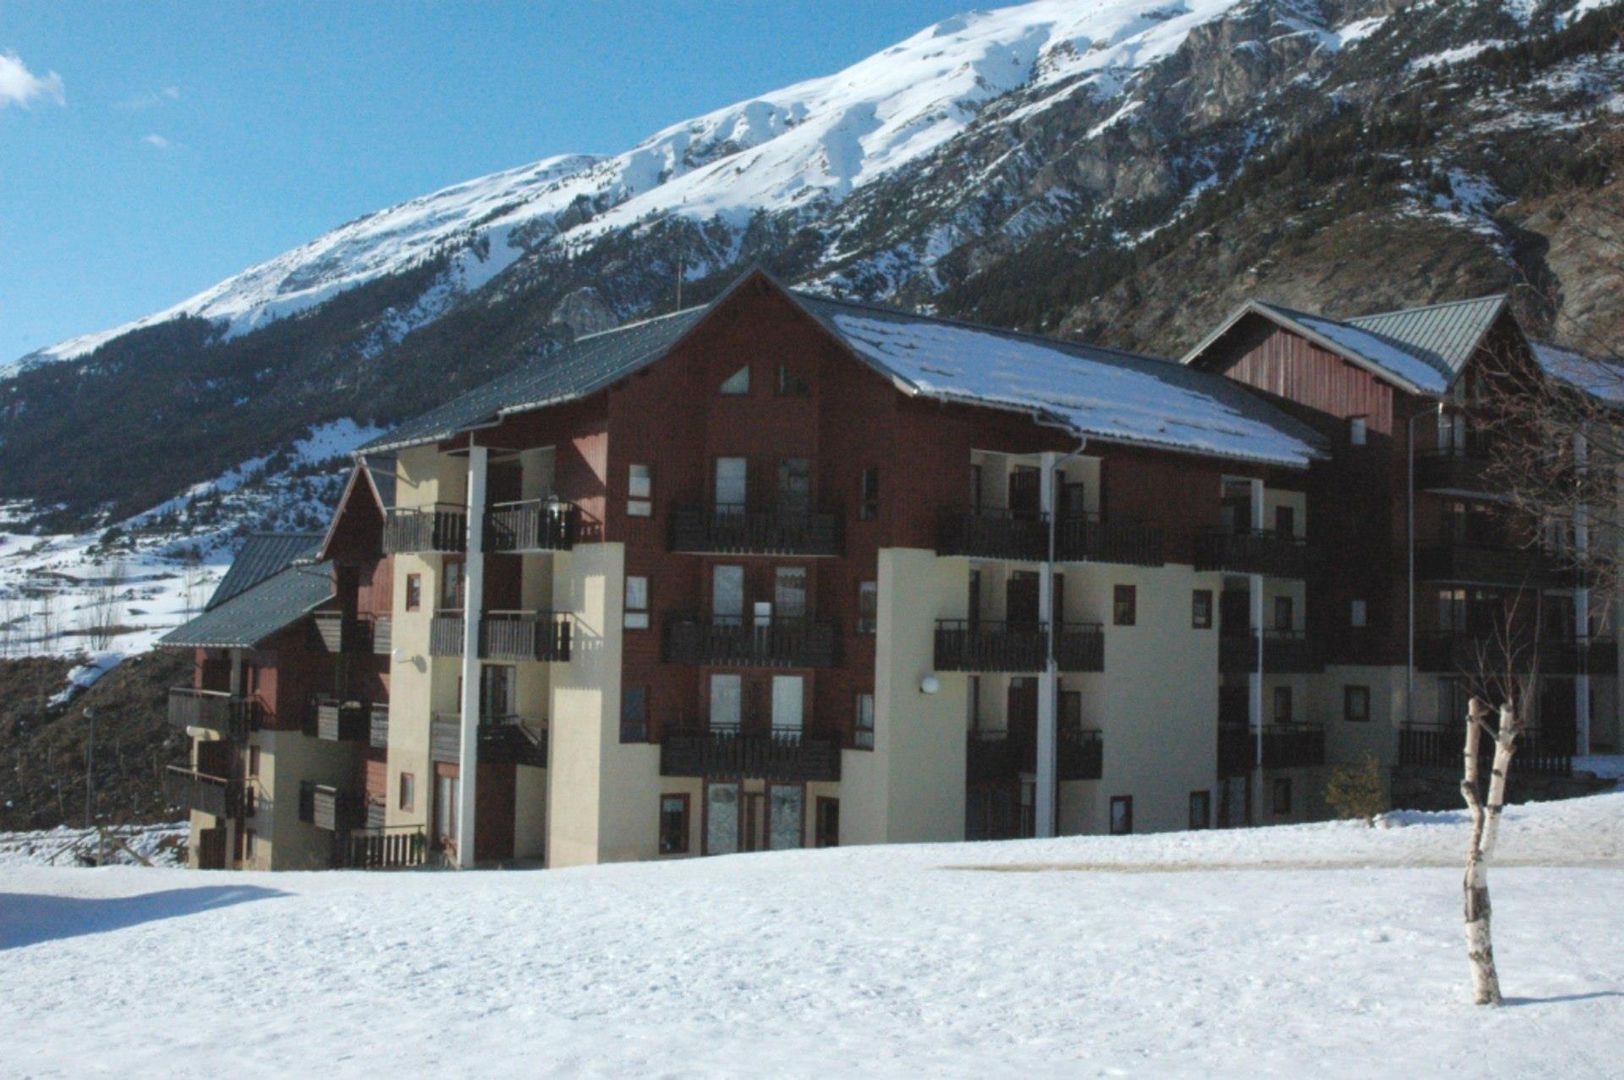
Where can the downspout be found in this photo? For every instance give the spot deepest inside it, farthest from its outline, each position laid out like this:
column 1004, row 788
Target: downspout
column 473, row 612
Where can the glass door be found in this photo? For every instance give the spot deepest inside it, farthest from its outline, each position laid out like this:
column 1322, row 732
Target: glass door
column 727, row 594
column 721, row 819
column 788, row 698
column 726, row 702
column 786, row 809
column 731, row 484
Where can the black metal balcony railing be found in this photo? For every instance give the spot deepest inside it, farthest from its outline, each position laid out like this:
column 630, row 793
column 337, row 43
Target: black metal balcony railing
column 982, row 645
column 731, row 529
column 989, row 533
column 1462, row 469
column 1237, row 748
column 532, row 525
column 376, row 848
column 513, row 740
column 438, row 528
column 1293, row 745
column 217, row 795
column 1091, row 538
column 1487, row 563
column 1444, row 746
column 1081, row 753
column 212, row 710
column 1003, row 755
column 341, row 721
column 787, row 755
column 525, row 635
column 445, row 634
column 1080, row 647
column 782, row 641
column 1285, row 652
column 328, row 808
column 1256, row 552
column 378, row 728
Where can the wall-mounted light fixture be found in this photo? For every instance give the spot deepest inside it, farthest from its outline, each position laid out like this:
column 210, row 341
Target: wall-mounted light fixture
column 929, row 684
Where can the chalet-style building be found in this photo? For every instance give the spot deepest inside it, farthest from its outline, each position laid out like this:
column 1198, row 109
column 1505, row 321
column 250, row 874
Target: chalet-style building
column 783, row 571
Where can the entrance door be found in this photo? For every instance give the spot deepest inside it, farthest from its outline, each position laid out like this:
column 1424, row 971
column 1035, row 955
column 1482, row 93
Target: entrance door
column 786, row 812
column 731, row 484
column 1021, row 598
column 727, row 594
column 211, row 848
column 721, row 819
column 493, row 823
column 788, row 696
column 1021, row 709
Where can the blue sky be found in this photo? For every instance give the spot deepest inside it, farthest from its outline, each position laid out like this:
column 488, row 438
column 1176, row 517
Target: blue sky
column 149, row 150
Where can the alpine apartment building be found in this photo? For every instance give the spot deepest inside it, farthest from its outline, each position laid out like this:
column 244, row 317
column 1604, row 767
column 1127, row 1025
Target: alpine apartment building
column 783, row 571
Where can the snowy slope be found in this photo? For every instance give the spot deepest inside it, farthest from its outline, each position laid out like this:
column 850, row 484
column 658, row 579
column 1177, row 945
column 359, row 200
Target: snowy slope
column 1326, row 951
column 794, row 148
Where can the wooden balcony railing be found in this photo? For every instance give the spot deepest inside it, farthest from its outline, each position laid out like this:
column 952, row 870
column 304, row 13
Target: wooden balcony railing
column 212, row 710
column 217, row 795
column 1080, row 647
column 534, row 525
column 341, row 721
column 782, row 641
column 1442, row 746
column 396, row 847
column 983, row 645
column 1486, row 563
column 1081, row 753
column 513, row 740
column 995, row 755
column 524, row 635
column 337, row 634
column 1255, row 552
column 445, row 738
column 788, row 755
column 1452, row 469
column 993, row 534
column 1285, row 652
column 1091, row 538
column 439, row 528
column 731, row 529
column 1293, row 745
column 378, row 727
column 445, row 634
column 328, row 808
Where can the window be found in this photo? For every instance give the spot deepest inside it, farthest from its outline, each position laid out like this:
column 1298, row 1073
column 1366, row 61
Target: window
column 1201, row 609
column 408, row 791
column 639, row 491
column 674, row 821
column 414, row 592
column 863, row 734
column 1358, row 433
column 1282, row 704
column 789, row 591
column 1124, row 605
column 868, row 607
column 1356, row 704
column 1282, row 795
column 826, row 832
column 451, row 586
column 868, row 502
column 636, row 617
column 1285, row 521
column 1121, row 815
column 1358, row 614
column 253, row 761
column 1284, row 616
column 634, row 714
column 792, row 383
column 1200, row 809
column 738, row 383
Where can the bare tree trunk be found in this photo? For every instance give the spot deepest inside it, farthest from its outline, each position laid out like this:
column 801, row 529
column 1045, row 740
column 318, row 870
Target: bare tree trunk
column 1485, row 831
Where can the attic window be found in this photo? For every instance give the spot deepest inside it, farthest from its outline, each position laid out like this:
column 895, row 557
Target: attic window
column 738, row 383
column 792, row 383
column 1357, row 431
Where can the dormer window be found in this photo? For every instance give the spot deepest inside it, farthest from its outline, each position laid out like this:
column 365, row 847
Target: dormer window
column 738, row 383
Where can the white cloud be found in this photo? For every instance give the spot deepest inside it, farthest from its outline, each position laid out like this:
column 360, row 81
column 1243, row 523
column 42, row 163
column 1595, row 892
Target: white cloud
column 150, row 99
column 156, row 140
column 19, row 86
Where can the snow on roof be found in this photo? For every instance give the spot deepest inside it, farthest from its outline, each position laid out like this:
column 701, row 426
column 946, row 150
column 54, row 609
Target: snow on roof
column 1385, row 355
column 1094, row 391
column 1603, row 379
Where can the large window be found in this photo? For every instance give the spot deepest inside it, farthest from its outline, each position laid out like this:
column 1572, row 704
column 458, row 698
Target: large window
column 674, row 824
column 1358, row 614
column 1125, row 605
column 863, row 734
column 789, row 591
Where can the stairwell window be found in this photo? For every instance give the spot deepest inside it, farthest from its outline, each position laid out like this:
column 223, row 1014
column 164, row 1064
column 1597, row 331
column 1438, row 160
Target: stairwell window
column 408, row 791
column 1201, row 609
column 868, row 501
column 414, row 592
column 1124, row 605
column 639, row 491
column 674, row 824
column 1356, row 704
column 863, row 728
column 636, row 617
column 868, row 607
column 738, row 383
column 1358, row 431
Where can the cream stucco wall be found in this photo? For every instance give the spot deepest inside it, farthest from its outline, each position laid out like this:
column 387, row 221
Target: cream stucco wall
column 287, row 759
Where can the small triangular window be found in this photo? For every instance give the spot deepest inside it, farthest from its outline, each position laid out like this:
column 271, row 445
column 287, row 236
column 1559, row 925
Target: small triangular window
column 738, row 382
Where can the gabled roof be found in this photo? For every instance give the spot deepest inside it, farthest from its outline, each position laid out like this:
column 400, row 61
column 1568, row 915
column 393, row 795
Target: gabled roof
column 1092, row 391
column 361, row 483
column 1422, row 350
column 262, row 555
column 1601, row 379
column 258, row 612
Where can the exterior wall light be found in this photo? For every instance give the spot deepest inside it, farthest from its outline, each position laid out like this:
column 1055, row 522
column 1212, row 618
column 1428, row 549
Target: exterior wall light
column 929, row 684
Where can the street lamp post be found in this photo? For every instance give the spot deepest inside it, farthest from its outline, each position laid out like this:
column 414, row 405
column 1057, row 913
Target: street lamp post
column 90, row 778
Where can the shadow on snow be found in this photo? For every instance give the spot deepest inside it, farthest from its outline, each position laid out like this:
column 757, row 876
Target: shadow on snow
column 30, row 918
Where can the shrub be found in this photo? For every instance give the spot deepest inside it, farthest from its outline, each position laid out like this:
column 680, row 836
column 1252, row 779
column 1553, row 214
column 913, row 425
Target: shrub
column 1356, row 791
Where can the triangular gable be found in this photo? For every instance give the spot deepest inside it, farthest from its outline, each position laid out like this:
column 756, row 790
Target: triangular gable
column 356, row 529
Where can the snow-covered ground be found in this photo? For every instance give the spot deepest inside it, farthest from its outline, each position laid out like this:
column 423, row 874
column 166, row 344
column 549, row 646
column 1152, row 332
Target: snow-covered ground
column 159, row 845
column 1327, row 950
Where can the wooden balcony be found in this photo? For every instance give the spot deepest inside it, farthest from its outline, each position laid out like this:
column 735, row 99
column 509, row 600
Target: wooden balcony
column 442, row 528
column 217, row 795
column 993, row 756
column 1091, row 538
column 375, row 848
column 513, row 740
column 524, row 635
column 212, row 710
column 445, row 634
column 532, row 526
column 1080, row 647
column 1450, row 652
column 993, row 534
column 985, row 646
column 378, row 727
column 1293, row 745
column 739, row 530
column 1443, row 746
column 1452, row 470
column 1506, row 566
column 729, row 641
column 328, row 808
column 1257, row 552
column 445, row 738
column 341, row 721
column 1285, row 652
column 732, row 753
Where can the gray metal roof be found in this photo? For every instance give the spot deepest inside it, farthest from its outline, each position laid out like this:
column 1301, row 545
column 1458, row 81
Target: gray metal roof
column 258, row 612
column 1444, row 335
column 262, row 555
column 583, row 367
